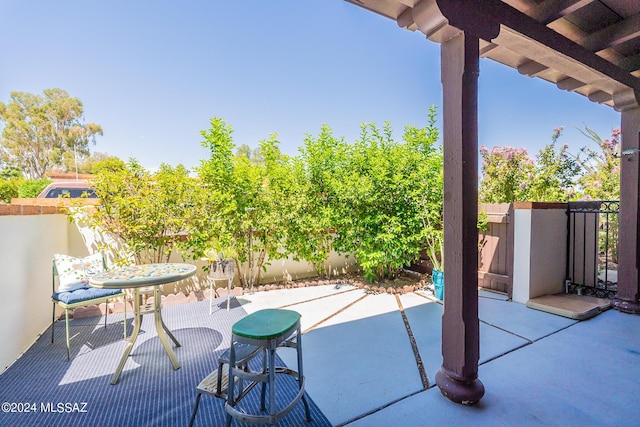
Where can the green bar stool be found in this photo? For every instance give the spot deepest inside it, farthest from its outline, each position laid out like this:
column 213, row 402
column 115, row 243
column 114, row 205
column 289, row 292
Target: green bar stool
column 267, row 329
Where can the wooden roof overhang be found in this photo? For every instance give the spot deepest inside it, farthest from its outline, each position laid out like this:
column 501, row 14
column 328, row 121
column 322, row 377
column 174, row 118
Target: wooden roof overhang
column 591, row 47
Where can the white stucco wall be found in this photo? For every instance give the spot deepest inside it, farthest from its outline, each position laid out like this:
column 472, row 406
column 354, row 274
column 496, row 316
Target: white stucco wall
column 26, row 249
column 521, row 255
column 540, row 244
column 548, row 251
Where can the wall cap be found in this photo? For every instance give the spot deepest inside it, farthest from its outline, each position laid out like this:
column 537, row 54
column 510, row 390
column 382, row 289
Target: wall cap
column 540, row 205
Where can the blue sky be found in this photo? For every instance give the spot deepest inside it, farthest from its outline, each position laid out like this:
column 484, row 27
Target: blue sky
column 154, row 73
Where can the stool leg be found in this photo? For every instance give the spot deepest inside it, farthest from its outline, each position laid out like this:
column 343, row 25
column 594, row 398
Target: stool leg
column 272, row 378
column 240, row 385
column 264, row 384
column 195, row 409
column 231, row 386
column 301, row 373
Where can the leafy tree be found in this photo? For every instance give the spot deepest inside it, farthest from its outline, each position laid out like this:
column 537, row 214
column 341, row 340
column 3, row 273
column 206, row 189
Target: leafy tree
column 250, row 202
column 506, row 172
column 375, row 195
column 147, row 211
column 113, row 164
column 323, row 163
column 30, row 188
column 601, row 170
column 39, row 130
column 254, row 155
column 555, row 173
column 379, row 199
column 8, row 190
column 10, row 172
column 387, row 191
column 214, row 228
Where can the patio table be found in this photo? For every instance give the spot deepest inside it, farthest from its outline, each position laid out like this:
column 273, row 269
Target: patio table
column 140, row 276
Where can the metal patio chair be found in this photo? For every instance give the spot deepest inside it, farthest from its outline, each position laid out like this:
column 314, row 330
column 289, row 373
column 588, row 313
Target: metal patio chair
column 73, row 290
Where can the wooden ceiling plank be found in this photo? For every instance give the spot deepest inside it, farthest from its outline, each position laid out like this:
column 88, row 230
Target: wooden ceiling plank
column 551, row 10
column 613, row 35
column 630, row 63
column 568, row 29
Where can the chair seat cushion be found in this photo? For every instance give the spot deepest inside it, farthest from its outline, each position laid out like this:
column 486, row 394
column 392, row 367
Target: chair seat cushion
column 84, row 294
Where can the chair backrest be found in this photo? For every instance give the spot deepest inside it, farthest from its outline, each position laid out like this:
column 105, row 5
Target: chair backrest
column 222, row 269
column 73, row 273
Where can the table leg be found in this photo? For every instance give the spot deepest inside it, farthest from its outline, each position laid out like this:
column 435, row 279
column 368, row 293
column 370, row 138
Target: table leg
column 137, row 321
column 160, row 328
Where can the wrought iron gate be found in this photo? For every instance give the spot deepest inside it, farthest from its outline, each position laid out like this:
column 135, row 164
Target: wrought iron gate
column 592, row 248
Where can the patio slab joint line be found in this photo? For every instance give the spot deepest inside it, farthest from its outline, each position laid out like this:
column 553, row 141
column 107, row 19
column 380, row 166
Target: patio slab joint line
column 335, row 314
column 505, row 353
column 317, row 298
column 510, row 332
column 529, row 342
column 414, row 346
column 373, row 411
column 428, row 298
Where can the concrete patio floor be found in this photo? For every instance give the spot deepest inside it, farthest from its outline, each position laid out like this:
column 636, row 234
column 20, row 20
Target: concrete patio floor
column 537, row 368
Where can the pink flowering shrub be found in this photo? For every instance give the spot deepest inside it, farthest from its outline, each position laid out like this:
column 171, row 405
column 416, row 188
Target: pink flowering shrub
column 506, row 172
column 510, row 175
column 556, row 175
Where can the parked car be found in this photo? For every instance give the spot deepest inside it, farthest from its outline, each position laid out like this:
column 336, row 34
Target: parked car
column 73, row 190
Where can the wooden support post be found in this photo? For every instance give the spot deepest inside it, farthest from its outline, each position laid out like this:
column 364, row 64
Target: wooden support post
column 458, row 377
column 629, row 223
